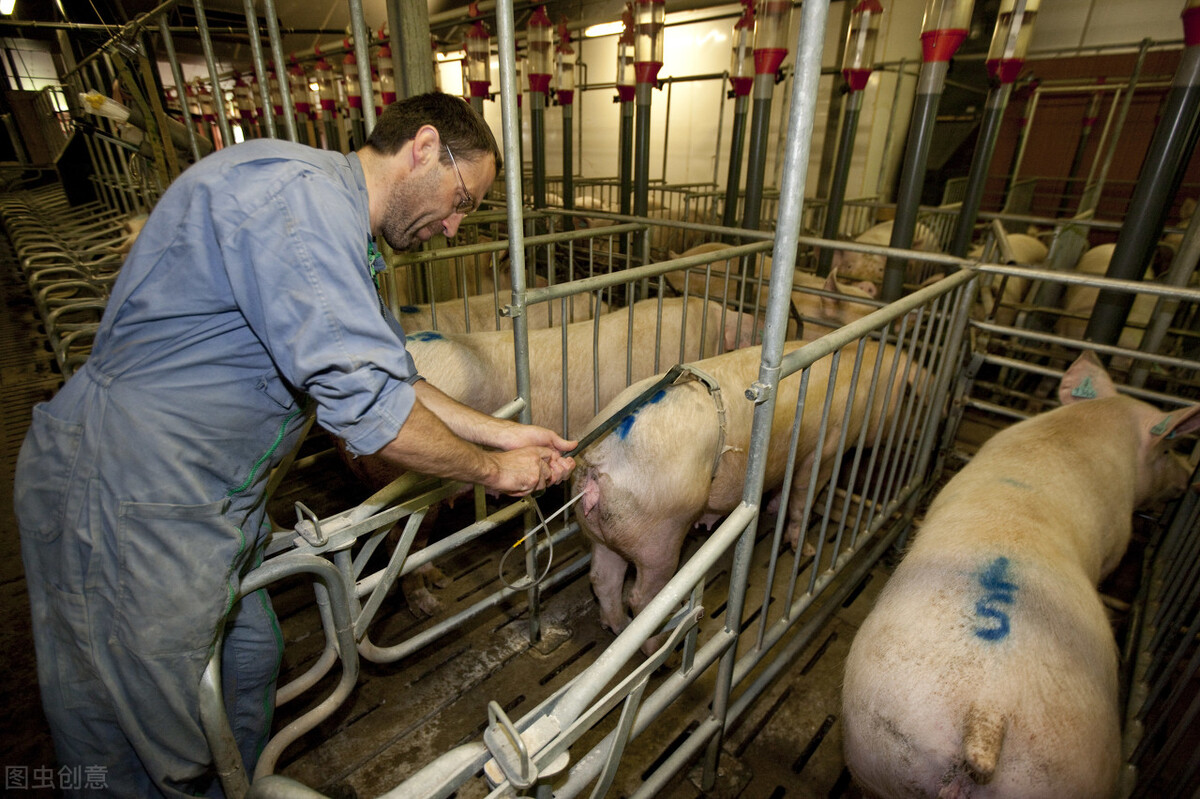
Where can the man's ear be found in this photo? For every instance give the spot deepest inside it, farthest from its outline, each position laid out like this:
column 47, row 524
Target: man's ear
column 426, row 146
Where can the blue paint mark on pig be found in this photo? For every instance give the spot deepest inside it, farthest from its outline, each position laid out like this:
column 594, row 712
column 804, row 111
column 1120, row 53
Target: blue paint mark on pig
column 999, row 592
column 409, row 309
column 627, row 423
column 425, row 335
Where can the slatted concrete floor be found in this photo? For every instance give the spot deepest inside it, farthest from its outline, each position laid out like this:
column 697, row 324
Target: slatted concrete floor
column 27, row 376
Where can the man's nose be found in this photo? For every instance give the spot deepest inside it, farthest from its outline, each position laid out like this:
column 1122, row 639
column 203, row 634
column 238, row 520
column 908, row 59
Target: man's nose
column 450, row 224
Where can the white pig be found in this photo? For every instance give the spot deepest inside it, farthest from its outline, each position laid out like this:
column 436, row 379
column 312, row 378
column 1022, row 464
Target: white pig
column 1079, row 300
column 987, row 667
column 478, row 369
column 824, row 312
column 863, row 266
column 651, row 479
column 483, row 310
column 1027, row 251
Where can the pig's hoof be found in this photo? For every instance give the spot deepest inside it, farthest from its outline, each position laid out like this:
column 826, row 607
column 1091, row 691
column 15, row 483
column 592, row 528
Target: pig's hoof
column 423, row 604
column 434, row 576
column 808, row 550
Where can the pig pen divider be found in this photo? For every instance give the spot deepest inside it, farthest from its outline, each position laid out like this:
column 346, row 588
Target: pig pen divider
column 928, row 330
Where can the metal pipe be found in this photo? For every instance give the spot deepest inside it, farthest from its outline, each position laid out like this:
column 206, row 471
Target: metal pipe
column 643, row 96
column 260, row 69
column 285, row 91
column 840, row 177
column 908, row 197
column 1023, row 137
column 989, row 133
column 568, row 157
column 737, row 145
column 625, row 165
column 760, row 125
column 362, row 53
column 801, row 116
column 180, row 86
column 211, row 62
column 1173, row 143
column 1091, row 193
column 537, row 131
column 882, row 182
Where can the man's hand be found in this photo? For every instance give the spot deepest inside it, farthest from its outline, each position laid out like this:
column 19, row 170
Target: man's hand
column 525, row 470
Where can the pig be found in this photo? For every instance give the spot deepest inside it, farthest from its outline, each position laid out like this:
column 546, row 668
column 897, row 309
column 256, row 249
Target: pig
column 482, row 311
column 1027, row 251
column 987, row 667
column 1079, row 300
column 825, row 312
column 863, row 266
column 478, row 369
column 649, row 481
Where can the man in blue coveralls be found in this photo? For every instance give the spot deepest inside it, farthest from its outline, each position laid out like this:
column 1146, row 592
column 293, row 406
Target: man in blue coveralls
column 248, row 299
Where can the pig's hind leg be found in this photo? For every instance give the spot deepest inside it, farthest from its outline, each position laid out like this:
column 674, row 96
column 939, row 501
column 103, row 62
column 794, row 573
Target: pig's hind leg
column 608, row 582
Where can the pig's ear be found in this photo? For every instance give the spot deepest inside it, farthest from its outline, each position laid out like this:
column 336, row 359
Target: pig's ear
column 831, row 283
column 1177, row 423
column 1085, row 379
column 672, row 255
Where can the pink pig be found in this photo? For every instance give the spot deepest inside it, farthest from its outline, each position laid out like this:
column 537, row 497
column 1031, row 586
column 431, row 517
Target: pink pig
column 987, row 667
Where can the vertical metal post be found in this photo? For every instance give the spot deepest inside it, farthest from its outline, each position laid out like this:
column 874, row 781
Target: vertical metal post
column 912, row 176
column 881, row 183
column 985, row 147
column 180, row 84
column 285, row 91
column 841, row 176
column 1173, row 143
column 506, row 38
column 1089, row 121
column 213, row 74
column 362, row 52
column 625, row 163
column 760, row 124
column 409, row 24
column 641, row 176
column 260, row 69
column 537, row 131
column 1091, row 194
column 568, row 156
column 802, row 113
column 1026, row 123
column 666, row 137
column 737, row 144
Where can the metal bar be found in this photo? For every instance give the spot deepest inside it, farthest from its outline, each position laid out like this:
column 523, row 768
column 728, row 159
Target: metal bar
column 281, row 75
column 211, row 62
column 180, row 86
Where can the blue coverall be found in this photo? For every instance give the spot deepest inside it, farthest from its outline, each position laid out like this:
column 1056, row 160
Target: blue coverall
column 140, row 486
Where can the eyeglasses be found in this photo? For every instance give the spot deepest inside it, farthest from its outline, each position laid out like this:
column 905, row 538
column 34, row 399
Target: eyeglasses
column 467, row 203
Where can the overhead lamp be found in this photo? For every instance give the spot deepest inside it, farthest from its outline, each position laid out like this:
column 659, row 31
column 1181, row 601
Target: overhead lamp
column 604, row 29
column 7, row 7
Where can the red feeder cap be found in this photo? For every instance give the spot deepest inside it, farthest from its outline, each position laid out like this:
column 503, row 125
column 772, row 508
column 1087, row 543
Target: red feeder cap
column 857, row 78
column 742, row 86
column 768, row 59
column 1191, row 26
column 940, row 45
column 647, row 71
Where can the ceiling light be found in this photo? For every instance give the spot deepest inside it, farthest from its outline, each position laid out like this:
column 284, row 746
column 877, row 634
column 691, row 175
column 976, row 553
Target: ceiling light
column 604, row 29
column 7, row 6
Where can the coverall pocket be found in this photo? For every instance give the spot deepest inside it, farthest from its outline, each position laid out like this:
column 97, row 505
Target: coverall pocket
column 44, row 469
column 178, row 566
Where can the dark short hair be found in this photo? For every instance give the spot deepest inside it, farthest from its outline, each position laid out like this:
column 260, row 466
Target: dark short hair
column 460, row 128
